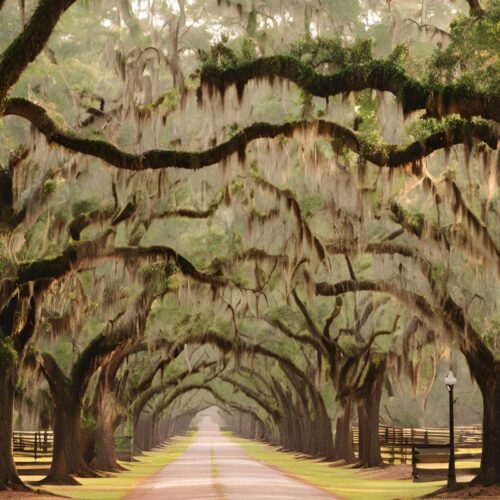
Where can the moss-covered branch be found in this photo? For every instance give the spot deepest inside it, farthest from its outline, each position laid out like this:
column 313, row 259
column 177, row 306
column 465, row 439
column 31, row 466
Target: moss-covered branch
column 29, row 43
column 382, row 75
column 475, row 8
column 191, row 213
column 85, row 255
column 458, row 132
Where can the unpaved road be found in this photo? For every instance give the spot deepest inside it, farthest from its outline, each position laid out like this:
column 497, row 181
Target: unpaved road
column 214, row 468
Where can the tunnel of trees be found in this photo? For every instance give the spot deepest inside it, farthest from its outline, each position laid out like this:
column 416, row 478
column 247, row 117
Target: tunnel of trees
column 287, row 210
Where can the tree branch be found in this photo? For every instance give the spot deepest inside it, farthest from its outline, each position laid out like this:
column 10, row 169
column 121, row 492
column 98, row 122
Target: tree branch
column 29, row 43
column 256, row 396
column 475, row 8
column 383, row 75
column 380, row 155
column 85, row 254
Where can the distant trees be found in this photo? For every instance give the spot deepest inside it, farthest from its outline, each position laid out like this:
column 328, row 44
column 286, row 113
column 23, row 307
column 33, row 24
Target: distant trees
column 257, row 221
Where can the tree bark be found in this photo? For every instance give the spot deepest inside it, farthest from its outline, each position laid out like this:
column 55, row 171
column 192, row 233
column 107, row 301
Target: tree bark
column 368, row 416
column 490, row 459
column 67, row 457
column 486, row 371
column 106, row 459
column 29, row 43
column 343, row 435
column 324, row 426
column 105, row 408
column 9, row 478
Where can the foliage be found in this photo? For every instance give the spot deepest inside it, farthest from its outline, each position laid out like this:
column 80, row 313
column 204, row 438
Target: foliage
column 8, row 354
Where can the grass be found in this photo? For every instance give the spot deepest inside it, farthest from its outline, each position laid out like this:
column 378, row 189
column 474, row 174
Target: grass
column 348, row 484
column 121, row 484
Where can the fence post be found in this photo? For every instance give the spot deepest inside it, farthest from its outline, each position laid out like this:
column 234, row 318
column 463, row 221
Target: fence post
column 403, row 460
column 36, row 445
column 414, row 462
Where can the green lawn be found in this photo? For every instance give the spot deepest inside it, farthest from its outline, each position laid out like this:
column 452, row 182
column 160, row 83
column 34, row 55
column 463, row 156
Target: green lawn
column 120, row 485
column 345, row 483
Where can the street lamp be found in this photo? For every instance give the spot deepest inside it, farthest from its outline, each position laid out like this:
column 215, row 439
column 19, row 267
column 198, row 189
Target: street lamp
column 450, row 381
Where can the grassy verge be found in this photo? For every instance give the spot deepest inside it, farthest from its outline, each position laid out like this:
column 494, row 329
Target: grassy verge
column 121, row 484
column 345, row 483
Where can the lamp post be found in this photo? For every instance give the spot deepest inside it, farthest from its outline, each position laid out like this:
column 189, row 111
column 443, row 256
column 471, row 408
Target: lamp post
column 450, row 381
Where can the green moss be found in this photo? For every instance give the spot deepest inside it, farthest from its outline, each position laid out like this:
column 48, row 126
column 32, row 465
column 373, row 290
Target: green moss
column 49, row 186
column 416, row 220
column 89, row 423
column 8, row 354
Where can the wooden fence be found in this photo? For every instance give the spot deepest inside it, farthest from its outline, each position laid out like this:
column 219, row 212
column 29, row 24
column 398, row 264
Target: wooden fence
column 430, row 461
column 397, row 444
column 33, row 444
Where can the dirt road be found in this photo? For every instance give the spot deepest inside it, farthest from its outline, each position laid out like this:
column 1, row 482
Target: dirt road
column 215, row 468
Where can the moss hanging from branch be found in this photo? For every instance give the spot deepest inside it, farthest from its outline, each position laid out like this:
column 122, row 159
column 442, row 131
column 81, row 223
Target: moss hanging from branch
column 458, row 132
column 382, row 75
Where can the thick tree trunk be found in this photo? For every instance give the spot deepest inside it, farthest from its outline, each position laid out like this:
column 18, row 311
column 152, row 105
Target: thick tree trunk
column 67, row 457
column 106, row 459
column 324, row 426
column 490, row 459
column 9, row 478
column 105, row 410
column 486, row 371
column 369, row 443
column 343, row 435
column 368, row 416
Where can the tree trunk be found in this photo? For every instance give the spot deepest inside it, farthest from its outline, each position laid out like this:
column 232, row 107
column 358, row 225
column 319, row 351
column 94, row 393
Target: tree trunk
column 490, row 459
column 324, row 425
column 67, row 457
column 106, row 459
column 343, row 435
column 486, row 371
column 368, row 416
column 9, row 478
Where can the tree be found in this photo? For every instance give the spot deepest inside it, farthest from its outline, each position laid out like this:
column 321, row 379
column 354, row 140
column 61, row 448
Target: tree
column 120, row 164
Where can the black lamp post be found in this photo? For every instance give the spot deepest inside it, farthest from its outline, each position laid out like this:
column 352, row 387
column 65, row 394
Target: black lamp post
column 450, row 381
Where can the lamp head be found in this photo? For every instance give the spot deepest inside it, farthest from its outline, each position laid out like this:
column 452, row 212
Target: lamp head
column 450, row 380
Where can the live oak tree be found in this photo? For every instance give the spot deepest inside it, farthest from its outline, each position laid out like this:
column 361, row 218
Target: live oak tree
column 290, row 163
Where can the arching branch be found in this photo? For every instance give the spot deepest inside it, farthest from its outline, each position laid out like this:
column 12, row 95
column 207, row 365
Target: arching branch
column 383, row 75
column 85, row 254
column 381, row 155
column 143, row 397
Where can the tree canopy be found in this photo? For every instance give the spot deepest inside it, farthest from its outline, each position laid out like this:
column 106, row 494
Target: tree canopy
column 288, row 210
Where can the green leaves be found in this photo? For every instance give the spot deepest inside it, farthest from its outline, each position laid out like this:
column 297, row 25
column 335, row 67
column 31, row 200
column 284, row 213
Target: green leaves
column 8, row 354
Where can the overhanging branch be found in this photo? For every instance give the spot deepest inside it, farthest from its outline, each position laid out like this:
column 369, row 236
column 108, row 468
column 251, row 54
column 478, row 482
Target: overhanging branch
column 29, row 43
column 382, row 75
column 381, row 155
column 84, row 255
